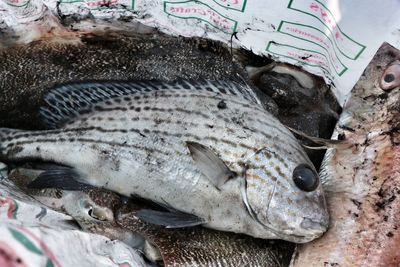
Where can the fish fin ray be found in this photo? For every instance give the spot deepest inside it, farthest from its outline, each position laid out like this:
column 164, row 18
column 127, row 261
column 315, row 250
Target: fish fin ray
column 67, row 101
column 169, row 219
column 317, row 140
column 66, row 179
column 210, row 164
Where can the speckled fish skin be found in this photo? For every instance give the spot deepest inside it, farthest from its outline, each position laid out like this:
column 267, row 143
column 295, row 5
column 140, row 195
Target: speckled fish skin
column 362, row 180
column 102, row 54
column 136, row 145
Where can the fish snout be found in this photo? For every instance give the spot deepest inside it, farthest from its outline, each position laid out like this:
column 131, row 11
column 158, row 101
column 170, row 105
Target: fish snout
column 315, row 227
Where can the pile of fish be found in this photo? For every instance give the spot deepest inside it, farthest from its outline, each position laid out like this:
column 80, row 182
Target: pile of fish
column 215, row 165
column 194, row 167
column 197, row 152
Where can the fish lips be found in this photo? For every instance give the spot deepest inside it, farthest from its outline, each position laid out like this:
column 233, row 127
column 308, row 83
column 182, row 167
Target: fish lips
column 310, row 229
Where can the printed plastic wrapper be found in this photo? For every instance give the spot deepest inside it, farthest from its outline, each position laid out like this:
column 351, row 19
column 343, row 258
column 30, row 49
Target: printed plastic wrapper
column 32, row 235
column 330, row 38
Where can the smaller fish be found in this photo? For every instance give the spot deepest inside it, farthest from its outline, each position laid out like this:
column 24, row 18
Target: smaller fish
column 391, row 76
column 93, row 209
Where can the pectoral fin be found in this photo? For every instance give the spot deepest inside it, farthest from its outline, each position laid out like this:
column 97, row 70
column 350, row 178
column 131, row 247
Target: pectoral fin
column 169, row 219
column 210, row 164
column 66, row 179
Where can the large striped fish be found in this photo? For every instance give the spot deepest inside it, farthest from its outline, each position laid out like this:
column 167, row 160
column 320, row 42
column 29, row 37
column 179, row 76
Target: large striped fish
column 207, row 151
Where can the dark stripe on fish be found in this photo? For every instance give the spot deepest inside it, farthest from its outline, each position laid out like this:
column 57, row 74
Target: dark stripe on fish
column 146, row 131
column 85, row 140
column 103, row 130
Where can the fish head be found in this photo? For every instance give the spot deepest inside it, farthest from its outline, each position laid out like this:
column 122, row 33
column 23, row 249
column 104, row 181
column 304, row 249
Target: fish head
column 92, row 206
column 284, row 194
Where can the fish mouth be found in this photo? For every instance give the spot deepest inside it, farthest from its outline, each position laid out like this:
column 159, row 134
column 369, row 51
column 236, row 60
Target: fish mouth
column 312, row 229
column 314, row 226
column 308, row 230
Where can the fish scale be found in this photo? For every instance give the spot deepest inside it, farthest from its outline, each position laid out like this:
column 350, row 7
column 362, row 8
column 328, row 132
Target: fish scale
column 111, row 135
column 171, row 122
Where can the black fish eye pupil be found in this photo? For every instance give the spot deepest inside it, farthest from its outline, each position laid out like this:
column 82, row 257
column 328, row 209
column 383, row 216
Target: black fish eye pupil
column 305, row 178
column 389, row 78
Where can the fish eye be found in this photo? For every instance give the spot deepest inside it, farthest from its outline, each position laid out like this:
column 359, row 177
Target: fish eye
column 96, row 215
column 305, row 178
column 389, row 78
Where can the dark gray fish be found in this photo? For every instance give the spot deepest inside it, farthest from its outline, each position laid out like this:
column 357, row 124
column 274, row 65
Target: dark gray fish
column 102, row 54
column 199, row 246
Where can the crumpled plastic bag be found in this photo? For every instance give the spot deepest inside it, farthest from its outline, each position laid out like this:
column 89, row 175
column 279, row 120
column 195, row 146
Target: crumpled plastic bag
column 34, row 235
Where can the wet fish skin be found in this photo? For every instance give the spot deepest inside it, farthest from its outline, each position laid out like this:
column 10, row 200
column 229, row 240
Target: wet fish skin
column 362, row 180
column 136, row 144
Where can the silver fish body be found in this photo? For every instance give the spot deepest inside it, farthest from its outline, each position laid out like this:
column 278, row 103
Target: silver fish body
column 137, row 144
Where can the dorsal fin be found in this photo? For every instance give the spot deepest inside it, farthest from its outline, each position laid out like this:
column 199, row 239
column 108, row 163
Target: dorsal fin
column 67, row 101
